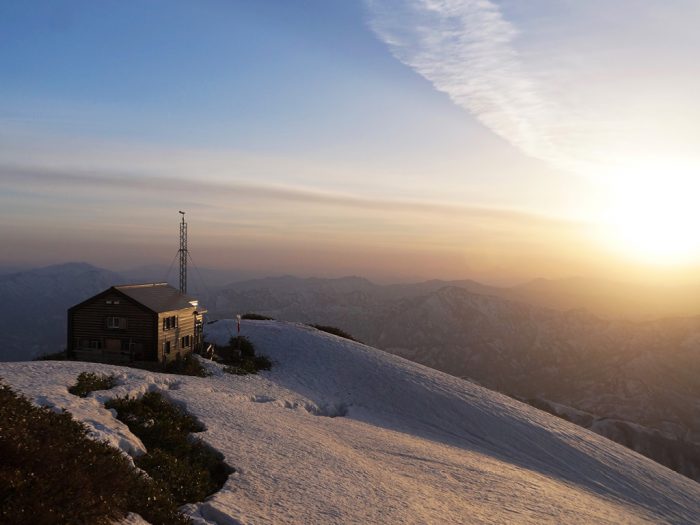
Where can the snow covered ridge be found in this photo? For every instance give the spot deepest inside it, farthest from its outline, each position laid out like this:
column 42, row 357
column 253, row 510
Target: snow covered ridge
column 640, row 372
column 404, row 443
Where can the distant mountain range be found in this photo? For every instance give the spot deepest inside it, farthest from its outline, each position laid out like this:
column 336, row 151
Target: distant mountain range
column 643, row 373
column 34, row 302
column 33, row 306
column 628, row 378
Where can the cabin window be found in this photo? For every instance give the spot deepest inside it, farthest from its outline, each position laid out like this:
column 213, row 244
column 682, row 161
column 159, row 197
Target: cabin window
column 166, row 347
column 169, row 322
column 96, row 344
column 186, row 341
column 116, row 322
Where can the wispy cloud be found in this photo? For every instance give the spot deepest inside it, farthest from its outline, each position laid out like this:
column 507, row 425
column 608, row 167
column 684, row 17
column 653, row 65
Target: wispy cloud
column 53, row 182
column 112, row 217
column 577, row 100
column 464, row 47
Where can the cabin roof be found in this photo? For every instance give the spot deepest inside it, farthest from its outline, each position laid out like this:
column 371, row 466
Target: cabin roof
column 158, row 297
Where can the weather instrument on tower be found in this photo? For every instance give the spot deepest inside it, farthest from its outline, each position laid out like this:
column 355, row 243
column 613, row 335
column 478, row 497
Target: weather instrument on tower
column 183, row 254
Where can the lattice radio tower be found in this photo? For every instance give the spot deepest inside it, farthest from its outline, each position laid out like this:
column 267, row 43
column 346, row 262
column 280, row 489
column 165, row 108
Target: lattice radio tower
column 183, row 254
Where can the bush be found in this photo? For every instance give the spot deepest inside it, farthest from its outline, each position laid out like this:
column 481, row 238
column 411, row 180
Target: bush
column 262, row 362
column 187, row 366
column 335, row 331
column 237, row 370
column 240, row 357
column 186, row 479
column 155, row 421
column 242, row 346
column 39, row 447
column 89, row 382
column 249, row 365
column 188, row 470
column 256, row 317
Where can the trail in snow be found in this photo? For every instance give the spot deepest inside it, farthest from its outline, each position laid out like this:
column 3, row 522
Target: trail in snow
column 339, row 432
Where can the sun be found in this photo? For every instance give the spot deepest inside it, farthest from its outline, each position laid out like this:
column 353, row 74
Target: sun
column 654, row 214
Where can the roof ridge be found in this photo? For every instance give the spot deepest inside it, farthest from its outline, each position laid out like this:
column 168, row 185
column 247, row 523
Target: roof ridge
column 144, row 285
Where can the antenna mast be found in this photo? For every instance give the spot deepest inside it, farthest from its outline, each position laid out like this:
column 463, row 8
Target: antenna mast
column 183, row 254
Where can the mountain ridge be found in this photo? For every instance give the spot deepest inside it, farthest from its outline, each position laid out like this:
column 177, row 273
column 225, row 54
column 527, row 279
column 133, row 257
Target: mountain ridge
column 336, row 422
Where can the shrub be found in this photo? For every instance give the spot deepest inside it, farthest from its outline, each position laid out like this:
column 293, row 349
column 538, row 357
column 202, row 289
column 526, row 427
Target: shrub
column 242, row 346
column 188, row 470
column 335, row 331
column 256, row 317
column 249, row 365
column 156, row 422
column 89, row 382
column 187, row 366
column 187, row 480
column 240, row 357
column 236, row 370
column 262, row 362
column 39, row 448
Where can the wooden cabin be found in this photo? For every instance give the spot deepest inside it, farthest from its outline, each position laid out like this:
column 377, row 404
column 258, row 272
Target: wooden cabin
column 137, row 322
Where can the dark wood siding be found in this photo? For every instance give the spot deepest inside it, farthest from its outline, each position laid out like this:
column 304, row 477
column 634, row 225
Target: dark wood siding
column 87, row 323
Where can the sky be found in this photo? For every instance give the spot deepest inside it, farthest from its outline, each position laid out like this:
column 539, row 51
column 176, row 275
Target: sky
column 498, row 140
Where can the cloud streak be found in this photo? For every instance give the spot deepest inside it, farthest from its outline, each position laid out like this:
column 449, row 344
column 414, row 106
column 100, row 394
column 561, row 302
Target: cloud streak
column 576, row 98
column 464, row 48
column 49, row 180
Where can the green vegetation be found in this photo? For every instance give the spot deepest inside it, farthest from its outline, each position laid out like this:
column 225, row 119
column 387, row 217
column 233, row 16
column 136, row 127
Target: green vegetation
column 249, row 365
column 51, row 472
column 187, row 366
column 239, row 345
column 239, row 356
column 256, row 317
column 188, row 470
column 89, row 382
column 335, row 331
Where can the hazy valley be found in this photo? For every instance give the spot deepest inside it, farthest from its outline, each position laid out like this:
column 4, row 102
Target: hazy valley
column 632, row 381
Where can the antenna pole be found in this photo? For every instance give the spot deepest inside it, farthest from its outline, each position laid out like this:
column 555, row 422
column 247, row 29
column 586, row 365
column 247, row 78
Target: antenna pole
column 183, row 254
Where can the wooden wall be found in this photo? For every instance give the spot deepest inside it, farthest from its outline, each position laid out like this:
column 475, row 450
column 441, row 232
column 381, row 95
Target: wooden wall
column 185, row 326
column 87, row 322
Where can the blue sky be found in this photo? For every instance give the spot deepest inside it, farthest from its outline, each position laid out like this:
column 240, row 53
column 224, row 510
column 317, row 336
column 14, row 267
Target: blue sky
column 265, row 76
column 185, row 72
column 520, row 115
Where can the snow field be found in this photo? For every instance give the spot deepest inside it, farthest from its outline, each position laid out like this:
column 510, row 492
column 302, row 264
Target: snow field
column 339, row 432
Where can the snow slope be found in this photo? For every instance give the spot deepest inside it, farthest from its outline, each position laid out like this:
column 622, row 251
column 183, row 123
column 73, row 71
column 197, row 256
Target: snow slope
column 642, row 372
column 339, row 432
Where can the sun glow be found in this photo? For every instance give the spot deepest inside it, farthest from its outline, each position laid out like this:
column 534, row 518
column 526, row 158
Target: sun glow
column 655, row 213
